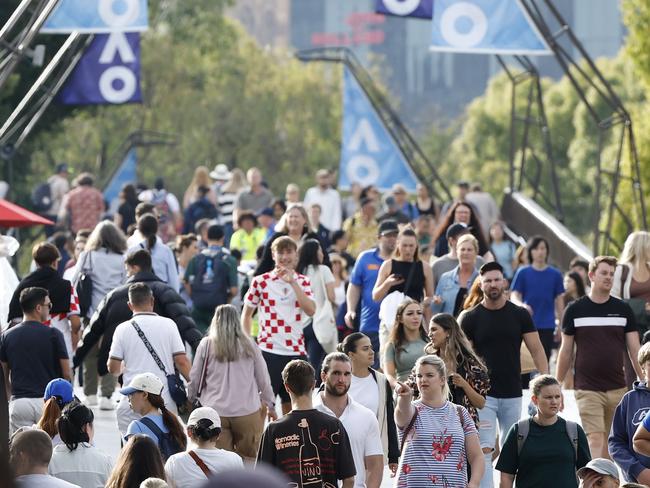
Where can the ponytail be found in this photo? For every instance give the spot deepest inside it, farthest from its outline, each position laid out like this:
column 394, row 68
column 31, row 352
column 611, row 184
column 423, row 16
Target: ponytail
column 72, row 424
column 169, row 420
column 204, row 430
column 48, row 420
column 148, row 227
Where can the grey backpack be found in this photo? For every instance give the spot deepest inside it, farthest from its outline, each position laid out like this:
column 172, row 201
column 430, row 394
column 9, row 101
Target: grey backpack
column 523, row 427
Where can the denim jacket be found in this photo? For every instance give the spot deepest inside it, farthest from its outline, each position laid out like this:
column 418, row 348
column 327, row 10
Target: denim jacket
column 448, row 288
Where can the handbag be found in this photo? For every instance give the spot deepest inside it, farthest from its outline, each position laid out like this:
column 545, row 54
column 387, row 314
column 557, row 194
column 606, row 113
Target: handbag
column 84, row 286
column 174, row 382
column 323, row 321
column 388, row 307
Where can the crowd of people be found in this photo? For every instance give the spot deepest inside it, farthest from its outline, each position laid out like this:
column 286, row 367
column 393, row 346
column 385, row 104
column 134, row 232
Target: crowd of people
column 334, row 338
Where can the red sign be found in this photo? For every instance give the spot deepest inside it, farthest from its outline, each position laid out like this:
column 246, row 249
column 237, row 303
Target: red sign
column 360, row 34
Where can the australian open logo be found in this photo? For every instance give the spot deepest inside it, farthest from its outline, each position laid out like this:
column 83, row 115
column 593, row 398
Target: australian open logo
column 640, row 415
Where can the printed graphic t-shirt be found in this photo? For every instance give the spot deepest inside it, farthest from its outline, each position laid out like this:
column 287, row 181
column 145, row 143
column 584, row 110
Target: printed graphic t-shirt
column 312, row 448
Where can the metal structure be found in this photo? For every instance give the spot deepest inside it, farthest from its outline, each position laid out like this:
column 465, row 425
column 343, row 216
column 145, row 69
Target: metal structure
column 424, row 169
column 616, row 124
column 18, row 33
column 530, row 165
column 28, row 112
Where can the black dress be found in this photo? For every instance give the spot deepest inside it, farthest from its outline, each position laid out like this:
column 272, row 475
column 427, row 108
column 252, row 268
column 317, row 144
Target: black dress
column 415, row 284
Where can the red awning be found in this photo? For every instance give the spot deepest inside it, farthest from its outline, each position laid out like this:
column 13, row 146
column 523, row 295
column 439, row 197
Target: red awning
column 12, row 215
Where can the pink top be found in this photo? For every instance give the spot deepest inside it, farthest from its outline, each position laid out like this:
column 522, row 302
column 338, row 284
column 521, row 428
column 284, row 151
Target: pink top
column 233, row 389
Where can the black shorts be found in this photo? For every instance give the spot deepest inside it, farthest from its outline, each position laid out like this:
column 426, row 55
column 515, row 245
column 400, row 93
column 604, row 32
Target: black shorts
column 275, row 363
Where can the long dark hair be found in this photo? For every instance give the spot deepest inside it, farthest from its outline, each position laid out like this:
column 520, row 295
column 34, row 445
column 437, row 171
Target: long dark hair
column 148, row 227
column 307, row 255
column 580, row 285
column 407, row 232
column 474, row 225
column 397, row 334
column 71, row 424
column 130, row 194
column 139, row 459
column 458, row 349
column 169, row 419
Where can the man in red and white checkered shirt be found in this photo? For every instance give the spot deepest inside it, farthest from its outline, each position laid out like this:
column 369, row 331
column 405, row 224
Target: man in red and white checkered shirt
column 281, row 297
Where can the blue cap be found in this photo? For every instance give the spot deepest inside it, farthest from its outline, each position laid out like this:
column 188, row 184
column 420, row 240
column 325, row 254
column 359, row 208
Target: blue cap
column 61, row 389
column 266, row 211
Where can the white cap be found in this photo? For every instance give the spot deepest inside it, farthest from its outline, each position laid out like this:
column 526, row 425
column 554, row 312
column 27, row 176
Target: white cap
column 148, row 382
column 600, row 466
column 207, row 413
column 220, row 173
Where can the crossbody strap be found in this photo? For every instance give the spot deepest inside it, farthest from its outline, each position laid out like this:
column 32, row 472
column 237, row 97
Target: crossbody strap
column 147, row 344
column 199, row 462
column 204, row 370
column 408, row 429
column 151, row 425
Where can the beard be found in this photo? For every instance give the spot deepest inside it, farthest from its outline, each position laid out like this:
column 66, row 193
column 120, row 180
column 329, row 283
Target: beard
column 331, row 390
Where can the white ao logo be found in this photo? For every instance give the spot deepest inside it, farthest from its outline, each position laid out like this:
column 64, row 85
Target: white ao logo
column 449, row 24
column 117, row 43
column 401, row 7
column 363, row 168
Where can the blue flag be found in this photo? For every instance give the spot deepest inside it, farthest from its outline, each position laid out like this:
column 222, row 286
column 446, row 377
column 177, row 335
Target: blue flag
column 369, row 155
column 108, row 72
column 485, row 26
column 421, row 9
column 126, row 173
column 97, row 16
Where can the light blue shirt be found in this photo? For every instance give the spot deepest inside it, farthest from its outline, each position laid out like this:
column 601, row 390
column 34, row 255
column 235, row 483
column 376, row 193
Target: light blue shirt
column 137, row 427
column 162, row 262
column 448, row 288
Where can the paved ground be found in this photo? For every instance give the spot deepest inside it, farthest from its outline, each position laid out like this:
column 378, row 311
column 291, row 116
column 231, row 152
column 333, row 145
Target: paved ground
column 107, row 436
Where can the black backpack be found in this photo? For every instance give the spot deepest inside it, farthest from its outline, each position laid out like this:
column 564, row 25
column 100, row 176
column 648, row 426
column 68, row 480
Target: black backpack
column 166, row 442
column 210, row 293
column 42, row 197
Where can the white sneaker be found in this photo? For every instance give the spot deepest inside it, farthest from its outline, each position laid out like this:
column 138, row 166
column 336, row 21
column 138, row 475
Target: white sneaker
column 106, row 404
column 91, row 400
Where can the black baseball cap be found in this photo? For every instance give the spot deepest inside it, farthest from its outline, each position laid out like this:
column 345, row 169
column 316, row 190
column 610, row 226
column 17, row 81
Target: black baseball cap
column 457, row 229
column 388, row 227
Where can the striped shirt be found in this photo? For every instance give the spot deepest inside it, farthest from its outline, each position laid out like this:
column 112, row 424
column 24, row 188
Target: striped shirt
column 599, row 330
column 226, row 204
column 434, row 453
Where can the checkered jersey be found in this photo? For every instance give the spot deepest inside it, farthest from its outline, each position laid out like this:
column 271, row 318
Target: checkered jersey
column 279, row 313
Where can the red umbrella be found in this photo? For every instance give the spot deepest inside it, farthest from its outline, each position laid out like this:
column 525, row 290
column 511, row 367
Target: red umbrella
column 12, row 215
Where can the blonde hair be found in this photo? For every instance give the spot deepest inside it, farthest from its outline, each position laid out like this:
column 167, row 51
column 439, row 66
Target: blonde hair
column 227, row 336
column 644, row 354
column 236, row 182
column 439, row 365
column 282, row 225
column 467, row 238
column 636, row 251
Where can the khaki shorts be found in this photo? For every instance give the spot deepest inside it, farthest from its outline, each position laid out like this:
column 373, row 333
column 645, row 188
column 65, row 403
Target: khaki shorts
column 597, row 408
column 242, row 435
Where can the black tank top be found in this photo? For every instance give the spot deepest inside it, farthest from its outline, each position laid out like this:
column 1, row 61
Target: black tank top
column 416, row 283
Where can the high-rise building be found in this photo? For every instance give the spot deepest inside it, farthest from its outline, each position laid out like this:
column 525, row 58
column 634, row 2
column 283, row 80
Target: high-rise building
column 428, row 85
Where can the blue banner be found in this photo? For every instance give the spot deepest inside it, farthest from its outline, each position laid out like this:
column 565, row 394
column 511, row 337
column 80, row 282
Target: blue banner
column 126, row 173
column 421, row 9
column 369, row 155
column 107, row 73
column 97, row 16
column 485, row 27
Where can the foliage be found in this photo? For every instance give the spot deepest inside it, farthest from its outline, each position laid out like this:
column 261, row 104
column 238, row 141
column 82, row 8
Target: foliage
column 207, row 84
column 481, row 151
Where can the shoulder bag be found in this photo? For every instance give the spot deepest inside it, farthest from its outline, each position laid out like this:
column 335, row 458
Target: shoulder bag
column 174, row 382
column 84, row 285
column 200, row 463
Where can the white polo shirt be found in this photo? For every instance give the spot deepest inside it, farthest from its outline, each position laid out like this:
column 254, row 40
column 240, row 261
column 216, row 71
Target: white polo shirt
column 164, row 338
column 363, row 431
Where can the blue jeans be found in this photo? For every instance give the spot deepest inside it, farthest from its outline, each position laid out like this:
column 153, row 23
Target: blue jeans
column 315, row 352
column 374, row 339
column 507, row 412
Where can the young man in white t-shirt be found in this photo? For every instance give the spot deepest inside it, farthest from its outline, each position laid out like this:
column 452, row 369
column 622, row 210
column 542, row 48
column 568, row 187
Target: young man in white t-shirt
column 281, row 297
column 359, row 422
column 130, row 356
column 192, row 468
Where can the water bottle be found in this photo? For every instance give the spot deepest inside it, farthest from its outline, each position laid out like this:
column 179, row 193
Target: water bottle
column 209, row 272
